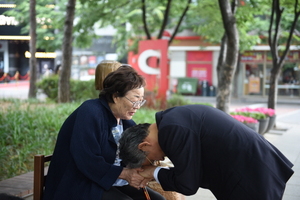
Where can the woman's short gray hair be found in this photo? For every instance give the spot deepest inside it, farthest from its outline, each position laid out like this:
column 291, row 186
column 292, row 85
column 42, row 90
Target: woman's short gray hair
column 130, row 154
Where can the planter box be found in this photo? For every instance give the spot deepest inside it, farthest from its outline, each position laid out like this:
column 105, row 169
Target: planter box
column 271, row 124
column 253, row 126
column 263, row 125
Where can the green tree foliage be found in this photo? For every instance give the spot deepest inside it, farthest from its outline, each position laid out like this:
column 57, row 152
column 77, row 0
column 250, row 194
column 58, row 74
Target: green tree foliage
column 49, row 21
column 127, row 17
column 253, row 19
column 124, row 15
column 203, row 17
column 207, row 22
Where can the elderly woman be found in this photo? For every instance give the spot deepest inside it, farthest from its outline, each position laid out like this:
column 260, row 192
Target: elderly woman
column 85, row 162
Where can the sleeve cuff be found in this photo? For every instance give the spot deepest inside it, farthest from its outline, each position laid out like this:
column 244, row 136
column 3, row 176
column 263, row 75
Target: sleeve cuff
column 155, row 173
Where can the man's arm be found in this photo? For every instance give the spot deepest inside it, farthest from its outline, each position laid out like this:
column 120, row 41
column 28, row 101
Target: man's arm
column 151, row 172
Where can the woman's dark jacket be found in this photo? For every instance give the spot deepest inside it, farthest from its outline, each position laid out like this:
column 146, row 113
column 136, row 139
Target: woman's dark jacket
column 82, row 163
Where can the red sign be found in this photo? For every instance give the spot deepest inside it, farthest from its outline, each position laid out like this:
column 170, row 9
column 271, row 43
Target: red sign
column 152, row 63
column 199, row 65
column 199, row 56
column 200, row 73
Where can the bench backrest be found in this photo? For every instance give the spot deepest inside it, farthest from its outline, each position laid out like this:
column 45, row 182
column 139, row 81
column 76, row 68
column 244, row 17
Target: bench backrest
column 39, row 175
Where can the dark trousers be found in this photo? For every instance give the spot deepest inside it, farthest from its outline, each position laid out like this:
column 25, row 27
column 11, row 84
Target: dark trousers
column 128, row 192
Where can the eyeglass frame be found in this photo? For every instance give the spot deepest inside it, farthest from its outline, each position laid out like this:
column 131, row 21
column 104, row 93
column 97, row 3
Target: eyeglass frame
column 137, row 103
column 154, row 162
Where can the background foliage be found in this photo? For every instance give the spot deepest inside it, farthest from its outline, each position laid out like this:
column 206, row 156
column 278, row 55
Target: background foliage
column 79, row 90
column 27, row 129
column 125, row 16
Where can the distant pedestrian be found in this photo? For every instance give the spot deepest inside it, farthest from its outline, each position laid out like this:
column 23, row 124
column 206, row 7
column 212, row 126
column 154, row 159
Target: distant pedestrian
column 57, row 69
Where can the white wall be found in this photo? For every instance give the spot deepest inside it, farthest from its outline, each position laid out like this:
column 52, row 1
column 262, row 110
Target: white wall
column 177, row 64
column 177, row 67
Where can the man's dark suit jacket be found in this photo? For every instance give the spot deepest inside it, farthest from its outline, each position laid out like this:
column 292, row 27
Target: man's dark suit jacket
column 210, row 149
column 82, row 163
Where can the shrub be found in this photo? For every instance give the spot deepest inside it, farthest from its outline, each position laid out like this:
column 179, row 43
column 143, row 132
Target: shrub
column 179, row 100
column 79, row 90
column 28, row 128
column 49, row 86
column 83, row 90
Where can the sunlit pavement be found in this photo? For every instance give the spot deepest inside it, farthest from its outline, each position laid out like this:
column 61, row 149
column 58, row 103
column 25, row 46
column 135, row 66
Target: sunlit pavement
column 16, row 89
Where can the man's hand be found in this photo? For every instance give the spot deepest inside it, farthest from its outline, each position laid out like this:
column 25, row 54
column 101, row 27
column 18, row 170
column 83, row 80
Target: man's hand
column 133, row 177
column 147, row 172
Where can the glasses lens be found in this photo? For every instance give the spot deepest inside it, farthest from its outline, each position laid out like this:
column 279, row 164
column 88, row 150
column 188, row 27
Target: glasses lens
column 138, row 103
column 142, row 103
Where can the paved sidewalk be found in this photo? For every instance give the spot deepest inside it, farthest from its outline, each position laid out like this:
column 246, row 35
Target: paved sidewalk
column 17, row 89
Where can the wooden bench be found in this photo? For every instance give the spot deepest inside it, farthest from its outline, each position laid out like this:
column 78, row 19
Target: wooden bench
column 39, row 175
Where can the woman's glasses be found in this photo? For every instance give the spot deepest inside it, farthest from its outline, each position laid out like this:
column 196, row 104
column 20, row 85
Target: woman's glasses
column 136, row 103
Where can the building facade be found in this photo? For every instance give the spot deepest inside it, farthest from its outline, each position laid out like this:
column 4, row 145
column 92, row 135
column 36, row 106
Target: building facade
column 193, row 59
column 14, row 50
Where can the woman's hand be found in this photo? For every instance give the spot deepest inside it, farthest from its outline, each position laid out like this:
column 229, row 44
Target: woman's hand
column 147, row 172
column 133, row 177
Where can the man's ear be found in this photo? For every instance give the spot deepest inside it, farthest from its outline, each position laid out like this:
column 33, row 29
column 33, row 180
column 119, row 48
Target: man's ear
column 142, row 145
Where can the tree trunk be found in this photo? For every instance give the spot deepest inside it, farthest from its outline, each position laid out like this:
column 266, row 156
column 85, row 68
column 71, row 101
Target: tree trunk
column 236, row 86
column 145, row 20
column 165, row 20
column 65, row 73
column 180, row 20
column 32, row 46
column 278, row 61
column 272, row 97
column 227, row 67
